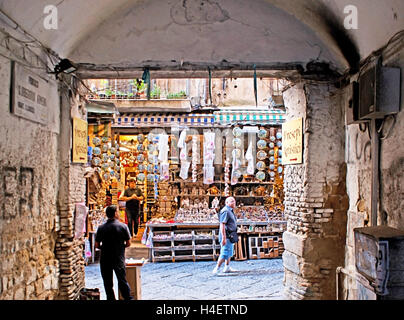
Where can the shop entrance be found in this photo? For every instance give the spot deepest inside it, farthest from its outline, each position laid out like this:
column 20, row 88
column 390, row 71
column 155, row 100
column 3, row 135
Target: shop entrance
column 187, row 163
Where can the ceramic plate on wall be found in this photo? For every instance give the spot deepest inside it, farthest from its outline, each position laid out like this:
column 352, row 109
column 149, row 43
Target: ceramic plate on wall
column 260, row 175
column 261, row 155
column 261, row 165
column 261, row 144
column 262, row 133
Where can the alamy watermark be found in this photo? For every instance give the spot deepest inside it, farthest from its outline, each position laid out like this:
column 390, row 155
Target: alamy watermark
column 351, row 18
column 50, row 21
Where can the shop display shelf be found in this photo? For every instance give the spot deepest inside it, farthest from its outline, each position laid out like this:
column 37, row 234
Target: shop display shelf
column 205, row 257
column 204, row 247
column 162, row 258
column 162, row 240
column 162, row 248
column 184, row 257
column 176, row 248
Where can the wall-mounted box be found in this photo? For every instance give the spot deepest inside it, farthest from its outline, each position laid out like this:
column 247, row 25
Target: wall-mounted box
column 379, row 92
column 379, row 257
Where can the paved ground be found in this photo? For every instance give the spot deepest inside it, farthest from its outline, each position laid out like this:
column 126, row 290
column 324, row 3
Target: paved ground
column 255, row 279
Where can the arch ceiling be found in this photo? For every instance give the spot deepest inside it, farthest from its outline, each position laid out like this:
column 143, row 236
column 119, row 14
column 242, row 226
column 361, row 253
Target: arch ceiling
column 107, row 34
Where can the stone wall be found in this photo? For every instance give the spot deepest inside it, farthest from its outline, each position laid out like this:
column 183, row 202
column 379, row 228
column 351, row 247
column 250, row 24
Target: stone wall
column 315, row 194
column 359, row 176
column 29, row 171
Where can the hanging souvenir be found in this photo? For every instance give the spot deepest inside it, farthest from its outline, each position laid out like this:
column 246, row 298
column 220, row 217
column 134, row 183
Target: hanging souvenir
column 105, row 147
column 271, row 145
column 150, row 177
column 140, row 138
column 105, row 139
column 141, row 167
column 279, row 144
column 140, row 177
column 236, row 153
column 271, row 166
column 140, row 147
column 280, row 152
column 272, row 159
column 250, row 159
column 164, row 171
column 279, row 135
column 112, row 150
column 272, row 138
column 236, row 142
column 194, row 158
column 151, row 148
column 112, row 157
column 280, row 169
column 237, row 131
column 140, row 158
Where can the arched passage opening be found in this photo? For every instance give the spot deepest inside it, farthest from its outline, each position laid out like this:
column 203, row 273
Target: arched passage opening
column 304, row 41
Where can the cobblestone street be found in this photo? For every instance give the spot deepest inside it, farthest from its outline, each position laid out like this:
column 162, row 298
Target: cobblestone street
column 254, row 279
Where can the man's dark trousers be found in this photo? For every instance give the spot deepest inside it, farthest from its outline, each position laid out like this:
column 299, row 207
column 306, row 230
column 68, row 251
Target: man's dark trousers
column 133, row 218
column 106, row 272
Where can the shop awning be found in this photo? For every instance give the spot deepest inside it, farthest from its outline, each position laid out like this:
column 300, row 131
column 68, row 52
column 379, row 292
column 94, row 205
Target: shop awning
column 164, row 120
column 249, row 116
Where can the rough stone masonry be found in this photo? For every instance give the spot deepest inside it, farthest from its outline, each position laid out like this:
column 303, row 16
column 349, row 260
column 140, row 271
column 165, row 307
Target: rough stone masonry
column 316, row 201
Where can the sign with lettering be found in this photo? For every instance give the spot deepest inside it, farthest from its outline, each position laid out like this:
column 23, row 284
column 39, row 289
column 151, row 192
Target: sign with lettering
column 35, row 98
column 79, row 140
column 292, row 142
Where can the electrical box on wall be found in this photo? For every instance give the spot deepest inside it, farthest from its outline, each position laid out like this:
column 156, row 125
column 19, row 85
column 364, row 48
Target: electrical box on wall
column 352, row 107
column 379, row 92
column 379, row 257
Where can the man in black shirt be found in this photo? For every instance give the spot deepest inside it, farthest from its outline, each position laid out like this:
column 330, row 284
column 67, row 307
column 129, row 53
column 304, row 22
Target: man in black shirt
column 112, row 238
column 132, row 196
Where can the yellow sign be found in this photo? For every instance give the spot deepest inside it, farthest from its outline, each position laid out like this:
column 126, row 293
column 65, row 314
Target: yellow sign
column 79, row 140
column 292, row 142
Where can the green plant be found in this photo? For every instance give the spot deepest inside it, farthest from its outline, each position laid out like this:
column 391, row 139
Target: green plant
column 178, row 95
column 155, row 93
column 108, row 93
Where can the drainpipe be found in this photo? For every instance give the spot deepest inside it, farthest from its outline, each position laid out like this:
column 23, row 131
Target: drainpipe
column 357, row 277
column 375, row 152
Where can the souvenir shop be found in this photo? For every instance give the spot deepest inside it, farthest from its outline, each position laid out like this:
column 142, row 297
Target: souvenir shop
column 186, row 165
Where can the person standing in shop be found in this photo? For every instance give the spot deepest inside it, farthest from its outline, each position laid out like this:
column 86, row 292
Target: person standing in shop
column 112, row 238
column 227, row 235
column 132, row 196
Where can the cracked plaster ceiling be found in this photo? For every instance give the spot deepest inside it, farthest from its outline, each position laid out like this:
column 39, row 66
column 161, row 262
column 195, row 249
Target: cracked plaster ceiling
column 109, row 34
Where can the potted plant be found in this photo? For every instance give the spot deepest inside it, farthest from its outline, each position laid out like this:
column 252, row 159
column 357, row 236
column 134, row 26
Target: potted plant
column 108, row 93
column 155, row 93
column 140, row 87
column 130, row 95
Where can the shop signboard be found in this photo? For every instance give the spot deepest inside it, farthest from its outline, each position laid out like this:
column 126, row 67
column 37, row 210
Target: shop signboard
column 292, row 141
column 34, row 98
column 79, row 141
